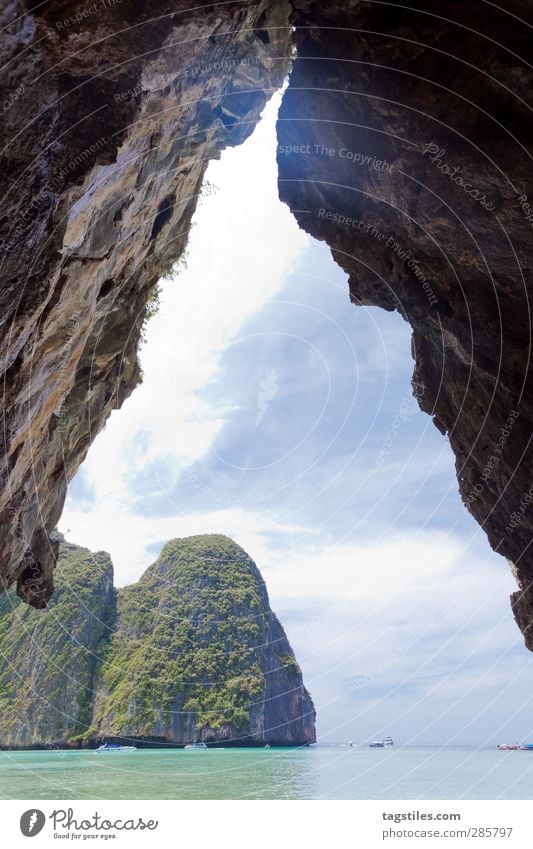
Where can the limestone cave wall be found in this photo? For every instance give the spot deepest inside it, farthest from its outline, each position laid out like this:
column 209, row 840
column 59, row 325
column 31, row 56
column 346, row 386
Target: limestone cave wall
column 111, row 113
column 403, row 144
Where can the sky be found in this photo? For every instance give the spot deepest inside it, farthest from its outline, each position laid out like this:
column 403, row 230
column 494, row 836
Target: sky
column 274, row 411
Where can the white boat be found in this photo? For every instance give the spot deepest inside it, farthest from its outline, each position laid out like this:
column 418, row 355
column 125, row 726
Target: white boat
column 114, row 747
column 197, row 746
column 382, row 744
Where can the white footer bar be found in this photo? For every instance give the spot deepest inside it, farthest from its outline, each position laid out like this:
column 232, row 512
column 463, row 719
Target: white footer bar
column 267, row 824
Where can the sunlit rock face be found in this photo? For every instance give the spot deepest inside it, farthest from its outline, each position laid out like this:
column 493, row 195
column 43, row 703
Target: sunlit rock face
column 403, row 142
column 412, row 124
column 198, row 654
column 109, row 121
column 191, row 651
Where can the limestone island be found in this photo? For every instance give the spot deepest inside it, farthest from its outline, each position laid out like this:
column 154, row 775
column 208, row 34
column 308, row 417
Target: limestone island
column 191, row 652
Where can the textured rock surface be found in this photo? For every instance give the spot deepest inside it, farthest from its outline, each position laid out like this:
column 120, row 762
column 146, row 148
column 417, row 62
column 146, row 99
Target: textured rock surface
column 48, row 657
column 198, row 654
column 389, row 108
column 191, row 651
column 109, row 123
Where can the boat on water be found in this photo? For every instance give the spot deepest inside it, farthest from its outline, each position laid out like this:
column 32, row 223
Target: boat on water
column 506, row 747
column 115, row 747
column 381, row 744
column 196, row 746
column 526, row 747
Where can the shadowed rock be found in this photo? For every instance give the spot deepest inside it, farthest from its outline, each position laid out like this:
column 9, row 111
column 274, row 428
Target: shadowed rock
column 191, row 651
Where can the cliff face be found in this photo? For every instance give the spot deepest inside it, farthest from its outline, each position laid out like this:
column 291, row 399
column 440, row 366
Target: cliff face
column 199, row 655
column 414, row 125
column 109, row 121
column 191, row 651
column 404, row 144
column 48, row 657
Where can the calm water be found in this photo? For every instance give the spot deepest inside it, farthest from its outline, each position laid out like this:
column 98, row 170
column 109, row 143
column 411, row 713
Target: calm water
column 320, row 772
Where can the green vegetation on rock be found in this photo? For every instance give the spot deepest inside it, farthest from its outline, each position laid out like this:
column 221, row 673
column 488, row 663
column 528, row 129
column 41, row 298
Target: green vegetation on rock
column 48, row 657
column 191, row 651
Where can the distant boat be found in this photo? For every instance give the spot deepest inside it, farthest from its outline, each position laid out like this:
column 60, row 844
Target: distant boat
column 506, row 747
column 381, row 744
column 526, row 747
column 115, row 747
column 197, row 746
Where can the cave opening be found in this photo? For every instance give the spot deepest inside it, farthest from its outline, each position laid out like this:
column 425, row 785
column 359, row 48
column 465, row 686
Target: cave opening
column 274, row 411
column 348, row 319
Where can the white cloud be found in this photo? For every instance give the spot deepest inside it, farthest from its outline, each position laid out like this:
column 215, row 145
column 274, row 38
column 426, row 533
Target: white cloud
column 403, row 635
column 379, row 569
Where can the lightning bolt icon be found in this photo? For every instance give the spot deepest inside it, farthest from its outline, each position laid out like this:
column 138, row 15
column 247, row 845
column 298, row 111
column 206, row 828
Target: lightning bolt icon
column 33, row 820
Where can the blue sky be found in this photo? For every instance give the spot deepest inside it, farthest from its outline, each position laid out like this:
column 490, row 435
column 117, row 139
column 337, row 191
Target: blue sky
column 274, row 411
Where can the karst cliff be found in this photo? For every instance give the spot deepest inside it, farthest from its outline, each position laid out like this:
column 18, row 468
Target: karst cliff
column 403, row 144
column 192, row 651
column 110, row 120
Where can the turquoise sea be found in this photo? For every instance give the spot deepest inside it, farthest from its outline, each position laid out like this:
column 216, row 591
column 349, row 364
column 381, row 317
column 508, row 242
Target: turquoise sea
column 319, row 772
